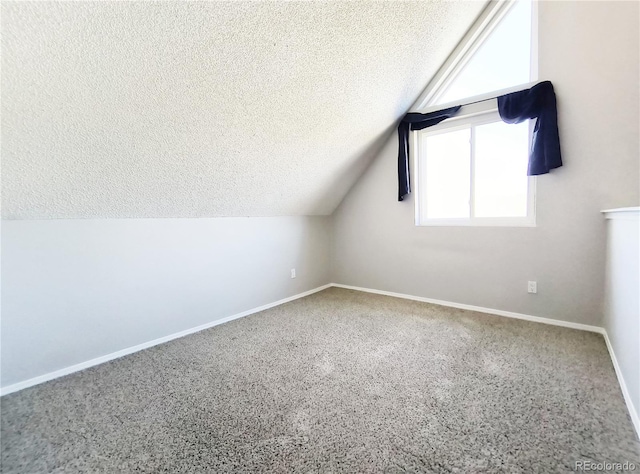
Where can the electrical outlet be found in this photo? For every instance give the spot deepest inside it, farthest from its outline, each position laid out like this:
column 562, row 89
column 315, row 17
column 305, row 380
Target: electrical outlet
column 532, row 286
column 293, row 273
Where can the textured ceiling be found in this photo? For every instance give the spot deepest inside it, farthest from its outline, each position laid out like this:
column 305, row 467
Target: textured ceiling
column 185, row 109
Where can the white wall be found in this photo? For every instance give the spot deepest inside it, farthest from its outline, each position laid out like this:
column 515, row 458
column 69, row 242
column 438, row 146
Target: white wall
column 589, row 50
column 73, row 290
column 622, row 308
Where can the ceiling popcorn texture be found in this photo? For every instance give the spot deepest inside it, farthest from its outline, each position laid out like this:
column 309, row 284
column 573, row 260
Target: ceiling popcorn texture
column 204, row 109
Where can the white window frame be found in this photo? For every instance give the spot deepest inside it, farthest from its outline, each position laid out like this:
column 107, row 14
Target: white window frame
column 477, row 114
column 468, row 115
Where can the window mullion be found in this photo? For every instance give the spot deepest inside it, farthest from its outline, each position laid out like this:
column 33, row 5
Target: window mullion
column 472, row 174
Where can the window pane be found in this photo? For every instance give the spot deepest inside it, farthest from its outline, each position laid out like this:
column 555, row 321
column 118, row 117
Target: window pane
column 501, row 170
column 503, row 60
column 447, row 174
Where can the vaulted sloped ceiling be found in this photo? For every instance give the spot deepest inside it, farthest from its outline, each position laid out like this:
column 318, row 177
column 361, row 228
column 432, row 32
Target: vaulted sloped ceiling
column 184, row 109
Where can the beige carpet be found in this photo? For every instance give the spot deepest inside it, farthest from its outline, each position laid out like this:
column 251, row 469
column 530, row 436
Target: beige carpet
column 340, row 381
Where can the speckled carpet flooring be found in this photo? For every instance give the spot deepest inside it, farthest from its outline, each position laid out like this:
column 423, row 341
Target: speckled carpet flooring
column 340, row 381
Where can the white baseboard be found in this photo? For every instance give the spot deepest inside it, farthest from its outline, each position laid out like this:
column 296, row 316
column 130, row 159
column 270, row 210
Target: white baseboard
column 115, row 355
column 633, row 413
column 145, row 345
column 479, row 309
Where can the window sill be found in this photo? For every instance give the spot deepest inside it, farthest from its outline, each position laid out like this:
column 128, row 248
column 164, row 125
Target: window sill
column 479, row 222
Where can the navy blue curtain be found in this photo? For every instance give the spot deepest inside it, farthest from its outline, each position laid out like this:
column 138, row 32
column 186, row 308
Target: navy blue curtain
column 415, row 121
column 538, row 102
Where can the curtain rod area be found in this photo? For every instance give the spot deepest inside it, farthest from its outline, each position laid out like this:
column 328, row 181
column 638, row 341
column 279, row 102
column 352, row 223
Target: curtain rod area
column 478, row 98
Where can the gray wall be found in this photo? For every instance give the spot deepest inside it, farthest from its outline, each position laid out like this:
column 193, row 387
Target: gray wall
column 73, row 290
column 589, row 50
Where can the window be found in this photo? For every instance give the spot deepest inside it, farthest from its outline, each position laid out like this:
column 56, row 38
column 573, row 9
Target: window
column 472, row 169
column 502, row 60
